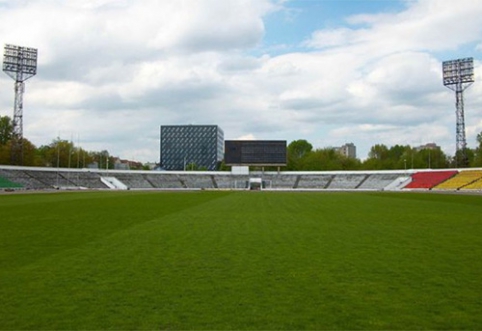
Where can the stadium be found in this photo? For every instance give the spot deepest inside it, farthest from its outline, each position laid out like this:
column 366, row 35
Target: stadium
column 239, row 249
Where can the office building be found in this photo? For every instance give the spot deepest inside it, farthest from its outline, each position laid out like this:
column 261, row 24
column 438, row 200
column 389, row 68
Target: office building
column 191, row 147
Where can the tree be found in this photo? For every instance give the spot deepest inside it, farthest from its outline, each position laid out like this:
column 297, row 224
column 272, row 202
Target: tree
column 377, row 158
column 298, row 150
column 5, row 157
column 29, row 150
column 6, row 129
column 64, row 154
column 60, row 153
column 404, row 157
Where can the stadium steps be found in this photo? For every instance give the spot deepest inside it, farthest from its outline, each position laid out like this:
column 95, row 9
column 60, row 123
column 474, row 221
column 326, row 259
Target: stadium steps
column 40, row 179
column 149, row 181
column 183, row 182
column 329, row 182
column 297, row 182
column 476, row 185
column 362, row 181
column 215, row 185
column 114, row 183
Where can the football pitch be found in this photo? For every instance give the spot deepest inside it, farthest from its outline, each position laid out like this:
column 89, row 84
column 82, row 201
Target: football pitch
column 225, row 260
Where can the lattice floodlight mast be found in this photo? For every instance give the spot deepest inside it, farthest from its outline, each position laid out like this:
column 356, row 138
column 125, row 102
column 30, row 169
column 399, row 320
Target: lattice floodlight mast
column 20, row 63
column 457, row 76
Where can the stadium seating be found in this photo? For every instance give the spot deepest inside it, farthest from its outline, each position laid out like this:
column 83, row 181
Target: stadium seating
column 201, row 181
column 462, row 180
column 88, row 180
column 133, row 180
column 164, row 181
column 380, row 181
column 477, row 185
column 347, row 181
column 228, row 181
column 429, row 179
column 23, row 178
column 50, row 178
column 315, row 181
column 278, row 180
column 5, row 183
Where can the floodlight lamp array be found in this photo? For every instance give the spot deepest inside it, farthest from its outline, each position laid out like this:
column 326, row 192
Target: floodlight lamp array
column 20, row 63
column 459, row 71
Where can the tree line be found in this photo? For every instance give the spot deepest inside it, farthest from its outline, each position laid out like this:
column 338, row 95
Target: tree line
column 301, row 156
column 59, row 153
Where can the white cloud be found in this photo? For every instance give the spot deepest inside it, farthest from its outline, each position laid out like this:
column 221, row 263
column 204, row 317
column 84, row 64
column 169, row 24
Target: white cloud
column 113, row 71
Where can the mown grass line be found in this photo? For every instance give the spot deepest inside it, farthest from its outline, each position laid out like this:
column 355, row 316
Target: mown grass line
column 247, row 260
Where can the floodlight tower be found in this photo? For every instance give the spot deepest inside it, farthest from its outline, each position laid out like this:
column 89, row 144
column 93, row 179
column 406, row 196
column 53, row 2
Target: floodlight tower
column 457, row 76
column 20, row 63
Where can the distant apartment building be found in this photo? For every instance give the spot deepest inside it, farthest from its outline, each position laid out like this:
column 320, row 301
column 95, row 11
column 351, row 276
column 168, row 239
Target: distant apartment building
column 430, row 146
column 183, row 146
column 120, row 164
column 349, row 150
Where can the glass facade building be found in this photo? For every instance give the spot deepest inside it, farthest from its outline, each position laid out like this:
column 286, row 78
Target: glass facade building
column 185, row 145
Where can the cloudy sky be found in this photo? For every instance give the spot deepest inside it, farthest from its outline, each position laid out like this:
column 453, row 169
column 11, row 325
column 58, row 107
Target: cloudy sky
column 110, row 72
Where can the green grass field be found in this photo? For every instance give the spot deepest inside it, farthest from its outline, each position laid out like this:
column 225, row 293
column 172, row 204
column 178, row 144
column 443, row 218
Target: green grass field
column 240, row 260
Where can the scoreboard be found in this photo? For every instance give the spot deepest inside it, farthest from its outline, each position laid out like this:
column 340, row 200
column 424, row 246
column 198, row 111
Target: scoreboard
column 255, row 152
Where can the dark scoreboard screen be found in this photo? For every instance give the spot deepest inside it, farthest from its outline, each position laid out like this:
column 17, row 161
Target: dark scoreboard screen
column 255, row 152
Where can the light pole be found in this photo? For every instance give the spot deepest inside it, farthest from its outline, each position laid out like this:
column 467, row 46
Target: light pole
column 20, row 63
column 457, row 76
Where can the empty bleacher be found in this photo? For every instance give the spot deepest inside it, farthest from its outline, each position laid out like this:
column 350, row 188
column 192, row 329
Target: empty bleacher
column 201, row 181
column 429, row 179
column 229, row 181
column 280, row 181
column 50, row 178
column 476, row 185
column 87, row 180
column 23, row 178
column 133, row 180
column 462, row 180
column 347, row 182
column 314, row 181
column 380, row 181
column 164, row 180
column 5, row 183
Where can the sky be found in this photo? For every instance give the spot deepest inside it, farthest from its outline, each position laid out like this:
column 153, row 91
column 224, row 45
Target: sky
column 111, row 72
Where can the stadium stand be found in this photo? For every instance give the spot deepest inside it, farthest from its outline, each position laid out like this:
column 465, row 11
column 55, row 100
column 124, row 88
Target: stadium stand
column 5, row 183
column 477, row 185
column 429, row 179
column 21, row 177
column 280, row 181
column 164, row 181
column 398, row 184
column 114, row 183
column 88, row 180
column 229, row 181
column 347, row 182
column 461, row 181
column 380, row 181
column 314, row 181
column 201, row 181
column 133, row 180
column 52, row 178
